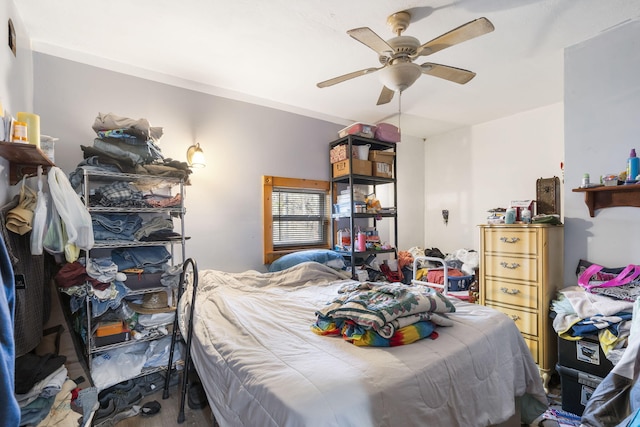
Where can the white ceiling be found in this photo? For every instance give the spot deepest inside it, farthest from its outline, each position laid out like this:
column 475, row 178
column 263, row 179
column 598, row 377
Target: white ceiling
column 273, row 52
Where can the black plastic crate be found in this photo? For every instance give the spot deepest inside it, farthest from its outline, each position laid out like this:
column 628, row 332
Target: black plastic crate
column 584, row 355
column 577, row 388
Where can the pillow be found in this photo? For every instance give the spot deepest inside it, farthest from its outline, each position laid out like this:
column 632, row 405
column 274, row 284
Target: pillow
column 323, row 256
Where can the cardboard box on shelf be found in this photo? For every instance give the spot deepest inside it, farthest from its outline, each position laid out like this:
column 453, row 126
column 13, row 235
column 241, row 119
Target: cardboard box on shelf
column 360, row 167
column 381, row 156
column 384, row 170
column 339, row 153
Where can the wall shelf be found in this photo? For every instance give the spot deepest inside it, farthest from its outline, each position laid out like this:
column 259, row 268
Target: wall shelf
column 607, row 197
column 24, row 159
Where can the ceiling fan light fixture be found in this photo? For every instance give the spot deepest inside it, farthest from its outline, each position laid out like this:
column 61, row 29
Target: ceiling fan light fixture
column 400, row 76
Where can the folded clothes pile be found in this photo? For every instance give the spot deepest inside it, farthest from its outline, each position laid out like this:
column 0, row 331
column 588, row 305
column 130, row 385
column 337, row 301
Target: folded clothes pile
column 126, row 145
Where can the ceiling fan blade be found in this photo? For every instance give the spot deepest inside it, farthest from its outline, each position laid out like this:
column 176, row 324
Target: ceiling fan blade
column 453, row 74
column 385, row 96
column 366, row 36
column 463, row 33
column 348, row 76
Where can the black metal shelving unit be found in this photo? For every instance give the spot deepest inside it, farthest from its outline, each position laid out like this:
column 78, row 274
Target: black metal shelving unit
column 352, row 218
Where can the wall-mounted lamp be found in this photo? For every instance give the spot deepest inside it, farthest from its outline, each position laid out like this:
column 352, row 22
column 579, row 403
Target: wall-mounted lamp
column 445, row 216
column 195, row 156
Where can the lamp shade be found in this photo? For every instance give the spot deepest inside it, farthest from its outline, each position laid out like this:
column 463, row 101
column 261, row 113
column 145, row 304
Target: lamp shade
column 195, row 156
column 399, row 76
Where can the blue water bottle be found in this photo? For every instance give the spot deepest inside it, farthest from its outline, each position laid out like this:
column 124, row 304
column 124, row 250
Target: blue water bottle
column 633, row 164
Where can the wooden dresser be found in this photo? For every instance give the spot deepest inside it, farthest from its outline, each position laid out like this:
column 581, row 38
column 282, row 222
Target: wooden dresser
column 521, row 268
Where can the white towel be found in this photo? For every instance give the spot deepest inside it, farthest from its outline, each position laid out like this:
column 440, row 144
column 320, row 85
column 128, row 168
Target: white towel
column 587, row 305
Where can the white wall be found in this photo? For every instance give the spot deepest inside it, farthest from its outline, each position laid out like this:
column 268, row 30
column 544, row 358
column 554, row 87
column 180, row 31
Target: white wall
column 467, row 171
column 241, row 142
column 16, row 79
column 602, row 110
column 472, row 170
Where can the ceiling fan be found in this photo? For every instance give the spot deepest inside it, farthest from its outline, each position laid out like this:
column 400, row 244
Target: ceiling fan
column 397, row 55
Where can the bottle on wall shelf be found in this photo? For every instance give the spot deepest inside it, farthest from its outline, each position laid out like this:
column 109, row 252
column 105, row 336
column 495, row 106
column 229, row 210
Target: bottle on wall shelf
column 633, row 164
column 585, row 181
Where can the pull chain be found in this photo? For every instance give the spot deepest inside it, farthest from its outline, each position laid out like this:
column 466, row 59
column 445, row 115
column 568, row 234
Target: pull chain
column 400, row 113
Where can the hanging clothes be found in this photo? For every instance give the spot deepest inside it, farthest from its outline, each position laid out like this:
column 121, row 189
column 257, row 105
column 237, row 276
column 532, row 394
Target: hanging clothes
column 39, row 216
column 9, row 409
column 20, row 218
column 73, row 213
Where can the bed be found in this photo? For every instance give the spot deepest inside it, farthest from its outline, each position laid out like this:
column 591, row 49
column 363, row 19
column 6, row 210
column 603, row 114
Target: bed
column 261, row 365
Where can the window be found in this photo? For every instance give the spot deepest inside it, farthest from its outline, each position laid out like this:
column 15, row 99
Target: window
column 295, row 215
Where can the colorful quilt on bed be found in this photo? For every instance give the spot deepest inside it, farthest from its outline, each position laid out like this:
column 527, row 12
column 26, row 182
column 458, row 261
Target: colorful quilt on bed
column 369, row 313
column 359, row 336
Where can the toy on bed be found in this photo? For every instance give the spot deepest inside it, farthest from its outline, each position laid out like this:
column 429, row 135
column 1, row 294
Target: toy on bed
column 449, row 285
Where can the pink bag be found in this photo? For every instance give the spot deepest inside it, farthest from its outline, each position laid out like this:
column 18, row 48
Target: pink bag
column 627, row 275
column 387, row 132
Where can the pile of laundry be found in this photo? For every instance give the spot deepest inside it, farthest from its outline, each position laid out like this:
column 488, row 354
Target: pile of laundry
column 125, row 145
column 585, row 311
column 42, row 388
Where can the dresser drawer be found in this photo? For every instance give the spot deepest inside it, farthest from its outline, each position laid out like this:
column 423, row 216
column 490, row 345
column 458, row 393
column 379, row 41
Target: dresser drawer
column 526, row 322
column 512, row 293
column 511, row 267
column 533, row 348
column 511, row 241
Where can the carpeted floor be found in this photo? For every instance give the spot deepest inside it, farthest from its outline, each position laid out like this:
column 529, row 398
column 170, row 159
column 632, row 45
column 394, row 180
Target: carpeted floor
column 555, row 412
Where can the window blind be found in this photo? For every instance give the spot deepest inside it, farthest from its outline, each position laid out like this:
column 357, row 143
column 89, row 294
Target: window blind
column 299, row 217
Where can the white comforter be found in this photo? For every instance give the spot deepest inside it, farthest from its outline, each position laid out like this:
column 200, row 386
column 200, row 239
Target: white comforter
column 261, row 365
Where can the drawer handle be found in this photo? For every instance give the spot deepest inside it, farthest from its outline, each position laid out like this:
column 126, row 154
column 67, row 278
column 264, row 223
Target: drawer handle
column 510, row 292
column 515, row 317
column 509, row 239
column 511, row 266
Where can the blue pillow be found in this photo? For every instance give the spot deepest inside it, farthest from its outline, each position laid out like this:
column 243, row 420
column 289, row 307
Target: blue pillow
column 323, row 256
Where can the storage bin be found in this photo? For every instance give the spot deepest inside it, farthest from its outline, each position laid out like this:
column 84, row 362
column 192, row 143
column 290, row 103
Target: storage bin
column 460, row 283
column 143, row 281
column 360, row 167
column 360, row 129
column 585, row 355
column 109, row 328
column 577, row 388
column 381, row 169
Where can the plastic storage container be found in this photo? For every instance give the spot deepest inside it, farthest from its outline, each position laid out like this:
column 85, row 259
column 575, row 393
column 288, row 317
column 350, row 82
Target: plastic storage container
column 460, row 283
column 585, row 355
column 577, row 388
column 360, row 129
